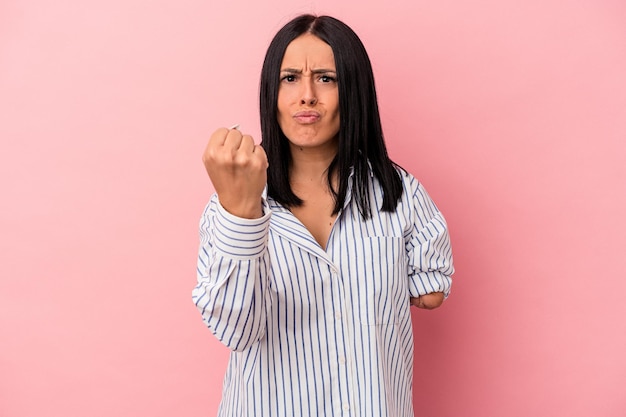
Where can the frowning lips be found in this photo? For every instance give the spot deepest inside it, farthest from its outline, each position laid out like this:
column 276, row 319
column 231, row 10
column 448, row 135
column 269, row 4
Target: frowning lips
column 307, row 116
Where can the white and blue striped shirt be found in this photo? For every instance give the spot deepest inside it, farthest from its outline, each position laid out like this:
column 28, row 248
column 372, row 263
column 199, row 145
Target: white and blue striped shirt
column 314, row 332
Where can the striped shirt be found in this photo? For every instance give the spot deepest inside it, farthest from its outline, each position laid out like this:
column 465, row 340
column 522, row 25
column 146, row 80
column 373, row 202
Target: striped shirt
column 318, row 332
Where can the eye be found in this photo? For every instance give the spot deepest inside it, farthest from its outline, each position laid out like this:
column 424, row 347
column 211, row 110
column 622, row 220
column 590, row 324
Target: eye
column 327, row 78
column 288, row 78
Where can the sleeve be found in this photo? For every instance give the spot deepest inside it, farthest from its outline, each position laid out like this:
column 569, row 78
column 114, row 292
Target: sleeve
column 233, row 269
column 428, row 247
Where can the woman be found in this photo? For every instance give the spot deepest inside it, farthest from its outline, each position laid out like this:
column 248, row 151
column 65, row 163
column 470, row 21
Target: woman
column 315, row 244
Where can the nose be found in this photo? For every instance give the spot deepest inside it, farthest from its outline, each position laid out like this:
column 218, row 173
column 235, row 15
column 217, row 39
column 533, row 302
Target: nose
column 308, row 93
column 310, row 101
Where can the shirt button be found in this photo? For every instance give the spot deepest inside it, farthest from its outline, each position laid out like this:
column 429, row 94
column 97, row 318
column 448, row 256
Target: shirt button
column 338, row 315
column 346, row 407
column 342, row 360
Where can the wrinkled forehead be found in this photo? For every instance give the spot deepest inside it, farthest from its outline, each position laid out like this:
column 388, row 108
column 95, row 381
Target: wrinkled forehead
column 308, row 53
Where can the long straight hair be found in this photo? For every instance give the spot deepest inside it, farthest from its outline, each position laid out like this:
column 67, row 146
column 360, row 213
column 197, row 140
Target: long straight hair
column 361, row 142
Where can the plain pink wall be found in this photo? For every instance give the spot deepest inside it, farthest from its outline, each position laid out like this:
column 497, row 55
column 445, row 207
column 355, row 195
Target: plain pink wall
column 512, row 113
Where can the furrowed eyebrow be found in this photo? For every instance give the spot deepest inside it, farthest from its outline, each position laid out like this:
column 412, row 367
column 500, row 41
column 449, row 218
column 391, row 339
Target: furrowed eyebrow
column 291, row 70
column 315, row 71
column 323, row 71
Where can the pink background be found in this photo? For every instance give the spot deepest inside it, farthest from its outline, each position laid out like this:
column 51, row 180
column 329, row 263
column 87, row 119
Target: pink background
column 512, row 113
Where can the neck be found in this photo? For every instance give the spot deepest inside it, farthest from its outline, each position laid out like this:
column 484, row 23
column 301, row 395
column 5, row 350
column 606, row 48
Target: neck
column 310, row 165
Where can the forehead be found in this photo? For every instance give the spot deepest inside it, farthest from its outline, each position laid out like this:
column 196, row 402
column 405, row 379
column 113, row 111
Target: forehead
column 308, row 51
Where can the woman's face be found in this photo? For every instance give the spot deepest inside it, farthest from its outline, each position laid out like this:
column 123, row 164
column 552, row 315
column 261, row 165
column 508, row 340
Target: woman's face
column 308, row 98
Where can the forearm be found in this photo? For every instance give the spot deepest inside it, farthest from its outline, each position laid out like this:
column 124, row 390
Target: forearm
column 233, row 269
column 231, row 298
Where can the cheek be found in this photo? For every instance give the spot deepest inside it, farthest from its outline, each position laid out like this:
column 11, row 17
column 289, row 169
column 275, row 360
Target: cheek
column 334, row 105
column 335, row 124
column 283, row 120
column 335, row 116
column 281, row 109
column 283, row 103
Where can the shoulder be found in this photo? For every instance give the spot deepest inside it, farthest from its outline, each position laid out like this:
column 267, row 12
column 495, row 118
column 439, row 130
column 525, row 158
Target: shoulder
column 414, row 194
column 410, row 183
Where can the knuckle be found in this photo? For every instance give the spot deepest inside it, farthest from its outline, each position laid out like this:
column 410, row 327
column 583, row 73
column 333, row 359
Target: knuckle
column 218, row 135
column 241, row 162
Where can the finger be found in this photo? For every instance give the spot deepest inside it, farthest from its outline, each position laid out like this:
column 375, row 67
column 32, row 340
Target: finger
column 218, row 137
column 259, row 153
column 216, row 141
column 247, row 144
column 233, row 139
column 258, row 149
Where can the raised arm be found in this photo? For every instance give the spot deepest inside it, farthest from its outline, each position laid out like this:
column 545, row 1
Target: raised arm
column 233, row 263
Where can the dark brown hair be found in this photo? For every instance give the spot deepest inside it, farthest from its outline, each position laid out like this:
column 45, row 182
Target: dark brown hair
column 361, row 142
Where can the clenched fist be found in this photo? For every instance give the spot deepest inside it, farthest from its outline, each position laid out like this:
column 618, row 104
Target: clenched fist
column 238, row 170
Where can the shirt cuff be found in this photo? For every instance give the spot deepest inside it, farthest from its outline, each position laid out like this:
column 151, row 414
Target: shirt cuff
column 241, row 238
column 424, row 283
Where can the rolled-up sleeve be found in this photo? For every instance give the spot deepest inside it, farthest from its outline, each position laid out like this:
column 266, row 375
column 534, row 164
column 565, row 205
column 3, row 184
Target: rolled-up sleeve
column 233, row 266
column 429, row 250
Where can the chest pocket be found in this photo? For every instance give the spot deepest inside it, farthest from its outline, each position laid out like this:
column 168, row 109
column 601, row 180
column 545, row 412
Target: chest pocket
column 381, row 281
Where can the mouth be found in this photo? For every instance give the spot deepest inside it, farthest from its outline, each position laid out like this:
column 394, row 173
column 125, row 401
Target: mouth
column 307, row 117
